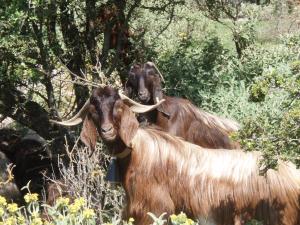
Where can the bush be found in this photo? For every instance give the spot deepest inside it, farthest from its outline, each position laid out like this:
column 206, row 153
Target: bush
column 268, row 108
column 193, row 67
column 85, row 177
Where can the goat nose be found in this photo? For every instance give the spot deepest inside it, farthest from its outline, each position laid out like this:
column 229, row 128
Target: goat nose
column 141, row 93
column 106, row 128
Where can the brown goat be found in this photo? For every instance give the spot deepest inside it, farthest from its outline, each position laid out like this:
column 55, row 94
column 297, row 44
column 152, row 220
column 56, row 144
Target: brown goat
column 163, row 173
column 178, row 116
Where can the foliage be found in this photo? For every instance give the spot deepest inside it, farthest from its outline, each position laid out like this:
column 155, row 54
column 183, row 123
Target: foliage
column 235, row 59
column 243, row 33
column 269, row 107
column 85, row 177
column 34, row 213
column 193, row 66
column 66, row 212
column 181, row 219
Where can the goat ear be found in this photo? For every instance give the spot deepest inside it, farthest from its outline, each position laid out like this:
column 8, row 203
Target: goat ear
column 89, row 132
column 127, row 123
column 157, row 93
column 157, row 96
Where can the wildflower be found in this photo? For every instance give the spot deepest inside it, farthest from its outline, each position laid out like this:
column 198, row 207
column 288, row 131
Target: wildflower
column 88, row 213
column 21, row 219
column 173, row 217
column 131, row 220
column 189, row 222
column 35, row 214
column 61, row 201
column 2, row 201
column 79, row 201
column 1, row 212
column 37, row 221
column 31, row 197
column 74, row 208
column 12, row 207
column 10, row 221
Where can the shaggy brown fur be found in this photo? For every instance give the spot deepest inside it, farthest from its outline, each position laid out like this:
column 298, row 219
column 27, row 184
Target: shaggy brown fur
column 163, row 173
column 177, row 115
column 219, row 187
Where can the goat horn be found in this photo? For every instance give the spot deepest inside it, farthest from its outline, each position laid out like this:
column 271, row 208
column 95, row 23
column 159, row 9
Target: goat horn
column 137, row 107
column 75, row 120
column 152, row 64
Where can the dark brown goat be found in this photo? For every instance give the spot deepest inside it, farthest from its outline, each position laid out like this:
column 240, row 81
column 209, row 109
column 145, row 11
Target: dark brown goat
column 178, row 116
column 30, row 157
column 163, row 173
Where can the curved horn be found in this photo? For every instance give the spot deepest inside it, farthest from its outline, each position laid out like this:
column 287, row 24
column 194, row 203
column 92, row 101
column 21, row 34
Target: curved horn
column 159, row 73
column 75, row 120
column 137, row 107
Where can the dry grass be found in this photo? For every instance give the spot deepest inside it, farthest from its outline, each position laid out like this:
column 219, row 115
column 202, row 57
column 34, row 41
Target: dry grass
column 84, row 176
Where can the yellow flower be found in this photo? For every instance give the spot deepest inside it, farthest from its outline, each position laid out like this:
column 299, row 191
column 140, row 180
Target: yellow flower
column 12, row 207
column 173, row 217
column 79, row 201
column 88, row 213
column 2, row 201
column 35, row 214
column 61, row 201
column 37, row 221
column 31, row 197
column 74, row 208
column 131, row 220
column 189, row 222
column 10, row 221
column 21, row 219
column 1, row 212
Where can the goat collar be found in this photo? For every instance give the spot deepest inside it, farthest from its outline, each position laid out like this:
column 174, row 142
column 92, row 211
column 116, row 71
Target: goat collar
column 123, row 154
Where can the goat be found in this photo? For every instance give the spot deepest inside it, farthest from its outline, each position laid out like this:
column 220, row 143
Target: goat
column 179, row 116
column 30, row 157
column 8, row 186
column 163, row 173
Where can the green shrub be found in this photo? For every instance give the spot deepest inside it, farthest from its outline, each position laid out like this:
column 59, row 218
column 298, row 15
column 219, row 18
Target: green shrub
column 192, row 67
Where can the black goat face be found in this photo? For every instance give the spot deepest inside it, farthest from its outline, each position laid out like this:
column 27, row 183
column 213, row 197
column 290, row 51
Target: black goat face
column 144, row 81
column 101, row 111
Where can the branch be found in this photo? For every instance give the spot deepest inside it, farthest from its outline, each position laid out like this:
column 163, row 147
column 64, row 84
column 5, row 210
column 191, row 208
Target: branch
column 168, row 24
column 78, row 77
column 77, row 82
column 162, row 8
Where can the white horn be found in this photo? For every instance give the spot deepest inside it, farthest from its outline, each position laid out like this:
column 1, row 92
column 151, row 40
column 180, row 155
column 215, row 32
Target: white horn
column 159, row 73
column 137, row 107
column 75, row 120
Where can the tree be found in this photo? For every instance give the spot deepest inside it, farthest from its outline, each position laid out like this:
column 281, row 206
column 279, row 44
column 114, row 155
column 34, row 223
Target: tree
column 219, row 10
column 45, row 43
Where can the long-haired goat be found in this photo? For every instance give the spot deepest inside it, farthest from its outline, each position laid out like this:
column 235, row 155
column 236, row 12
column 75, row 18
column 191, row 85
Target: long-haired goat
column 178, row 116
column 163, row 173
